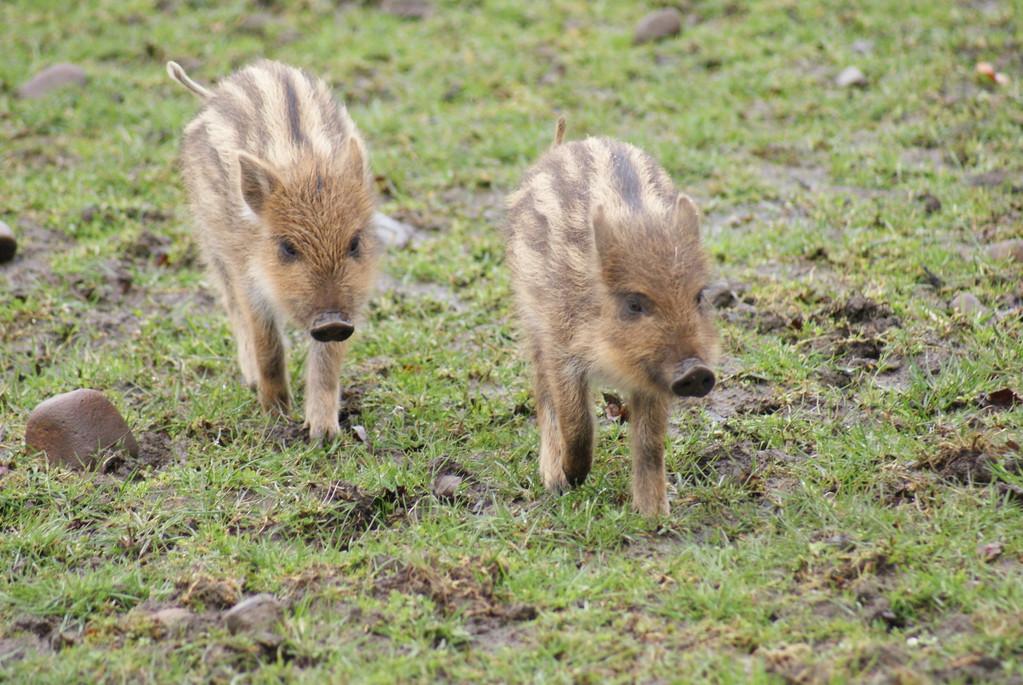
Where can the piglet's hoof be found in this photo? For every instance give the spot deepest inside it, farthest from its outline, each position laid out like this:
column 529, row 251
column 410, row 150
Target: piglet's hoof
column 75, row 428
column 8, row 243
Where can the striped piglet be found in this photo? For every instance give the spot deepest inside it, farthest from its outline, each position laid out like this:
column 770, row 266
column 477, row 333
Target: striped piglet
column 283, row 201
column 609, row 278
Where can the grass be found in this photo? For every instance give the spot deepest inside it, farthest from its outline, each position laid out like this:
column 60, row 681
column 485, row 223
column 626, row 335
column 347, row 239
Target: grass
column 845, row 508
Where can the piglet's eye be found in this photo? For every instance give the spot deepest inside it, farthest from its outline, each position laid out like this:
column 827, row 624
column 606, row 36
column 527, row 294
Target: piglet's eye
column 353, row 247
column 635, row 305
column 701, row 297
column 286, row 250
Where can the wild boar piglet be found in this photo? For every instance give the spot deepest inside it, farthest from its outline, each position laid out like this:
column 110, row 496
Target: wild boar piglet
column 609, row 278
column 281, row 194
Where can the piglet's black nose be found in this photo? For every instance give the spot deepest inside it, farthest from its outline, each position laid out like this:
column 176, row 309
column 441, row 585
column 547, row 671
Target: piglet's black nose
column 331, row 327
column 693, row 380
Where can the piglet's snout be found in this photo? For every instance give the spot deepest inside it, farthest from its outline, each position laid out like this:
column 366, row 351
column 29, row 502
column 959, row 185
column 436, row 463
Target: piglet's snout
column 692, row 379
column 331, row 327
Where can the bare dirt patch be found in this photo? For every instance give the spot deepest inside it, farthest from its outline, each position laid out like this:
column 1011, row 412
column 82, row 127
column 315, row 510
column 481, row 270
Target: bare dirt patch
column 978, row 462
column 286, row 431
column 203, row 591
column 747, row 216
column 793, row 663
column 761, row 473
column 469, row 589
column 453, row 483
column 342, row 512
column 205, row 432
column 16, row 648
column 431, row 294
column 156, row 450
column 30, row 268
column 734, row 397
column 812, row 178
column 970, row 668
column 857, row 336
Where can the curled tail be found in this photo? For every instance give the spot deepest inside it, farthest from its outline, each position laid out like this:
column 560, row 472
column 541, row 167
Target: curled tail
column 559, row 132
column 175, row 71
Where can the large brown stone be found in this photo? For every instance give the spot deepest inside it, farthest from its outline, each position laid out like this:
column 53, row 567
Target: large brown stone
column 52, row 78
column 75, row 428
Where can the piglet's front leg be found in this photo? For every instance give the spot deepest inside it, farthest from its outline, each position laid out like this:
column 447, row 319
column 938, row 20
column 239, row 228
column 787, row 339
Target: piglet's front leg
column 322, row 386
column 648, row 423
column 270, row 361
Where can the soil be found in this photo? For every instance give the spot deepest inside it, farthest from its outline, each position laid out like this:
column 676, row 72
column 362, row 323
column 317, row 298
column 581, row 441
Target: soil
column 342, row 512
column 156, row 450
column 976, row 463
column 469, row 589
column 471, row 492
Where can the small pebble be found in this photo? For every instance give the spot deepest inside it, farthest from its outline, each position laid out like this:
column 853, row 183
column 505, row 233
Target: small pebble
column 8, row 243
column 257, row 613
column 851, row 77
column 446, row 486
column 658, row 25
column 52, row 78
column 1005, row 250
column 392, row 232
column 75, row 428
column 967, row 304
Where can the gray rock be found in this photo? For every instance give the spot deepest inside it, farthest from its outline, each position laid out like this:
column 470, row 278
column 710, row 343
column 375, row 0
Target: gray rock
column 967, row 304
column 52, row 78
column 851, row 77
column 446, row 486
column 1005, row 250
column 254, row 614
column 74, row 429
column 392, row 232
column 658, row 26
column 8, row 243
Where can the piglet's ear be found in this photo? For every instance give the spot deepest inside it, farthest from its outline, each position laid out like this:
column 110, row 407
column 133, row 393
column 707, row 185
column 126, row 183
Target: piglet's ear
column 603, row 233
column 355, row 160
column 257, row 181
column 687, row 216
column 610, row 253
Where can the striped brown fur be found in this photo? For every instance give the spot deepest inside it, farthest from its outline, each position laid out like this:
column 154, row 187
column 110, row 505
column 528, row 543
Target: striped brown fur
column 279, row 186
column 608, row 272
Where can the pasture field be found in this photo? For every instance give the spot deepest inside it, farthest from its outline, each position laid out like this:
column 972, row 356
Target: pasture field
column 846, row 504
